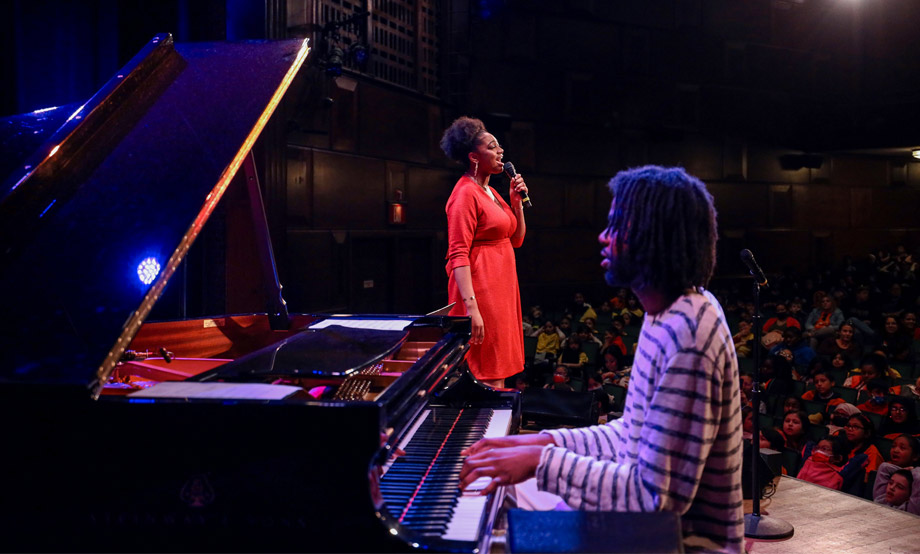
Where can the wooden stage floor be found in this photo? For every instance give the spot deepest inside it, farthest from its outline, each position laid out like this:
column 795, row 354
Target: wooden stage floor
column 830, row 521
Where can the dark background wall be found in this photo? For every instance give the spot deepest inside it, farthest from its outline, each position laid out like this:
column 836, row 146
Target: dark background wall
column 798, row 114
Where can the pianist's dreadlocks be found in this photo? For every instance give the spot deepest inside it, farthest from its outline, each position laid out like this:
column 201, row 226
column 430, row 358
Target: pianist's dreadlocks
column 665, row 227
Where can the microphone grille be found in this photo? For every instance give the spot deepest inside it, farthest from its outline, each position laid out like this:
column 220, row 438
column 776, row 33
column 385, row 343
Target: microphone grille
column 509, row 169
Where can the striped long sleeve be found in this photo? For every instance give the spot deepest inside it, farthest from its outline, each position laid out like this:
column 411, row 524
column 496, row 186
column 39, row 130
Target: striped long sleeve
column 677, row 446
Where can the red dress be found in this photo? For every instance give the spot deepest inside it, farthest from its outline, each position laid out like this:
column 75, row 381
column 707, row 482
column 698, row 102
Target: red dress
column 479, row 232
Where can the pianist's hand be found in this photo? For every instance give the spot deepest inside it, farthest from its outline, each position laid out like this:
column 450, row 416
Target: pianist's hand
column 531, row 439
column 506, row 466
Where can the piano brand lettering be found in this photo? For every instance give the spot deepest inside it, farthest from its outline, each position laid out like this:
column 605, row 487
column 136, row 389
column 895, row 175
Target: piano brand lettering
column 168, row 519
column 173, row 519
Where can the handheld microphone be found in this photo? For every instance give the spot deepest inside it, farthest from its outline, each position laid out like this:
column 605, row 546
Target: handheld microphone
column 748, row 258
column 510, row 172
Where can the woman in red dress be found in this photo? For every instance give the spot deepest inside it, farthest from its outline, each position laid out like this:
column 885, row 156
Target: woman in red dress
column 482, row 232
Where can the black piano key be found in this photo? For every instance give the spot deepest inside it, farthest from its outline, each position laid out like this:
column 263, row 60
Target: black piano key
column 421, row 487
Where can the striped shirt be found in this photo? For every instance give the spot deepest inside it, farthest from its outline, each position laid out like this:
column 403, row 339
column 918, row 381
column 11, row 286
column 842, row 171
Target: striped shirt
column 678, row 444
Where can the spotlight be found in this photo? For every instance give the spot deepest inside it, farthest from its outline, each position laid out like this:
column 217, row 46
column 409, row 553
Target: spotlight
column 147, row 270
column 334, row 61
column 915, row 153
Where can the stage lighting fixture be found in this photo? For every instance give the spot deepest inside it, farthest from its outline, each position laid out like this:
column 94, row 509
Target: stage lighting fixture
column 915, row 153
column 148, row 270
column 358, row 53
column 334, row 61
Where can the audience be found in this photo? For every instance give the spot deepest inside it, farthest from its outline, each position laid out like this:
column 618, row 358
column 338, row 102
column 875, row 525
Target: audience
column 827, row 464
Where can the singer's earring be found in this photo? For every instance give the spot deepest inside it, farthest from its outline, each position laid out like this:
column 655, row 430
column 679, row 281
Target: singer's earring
column 476, row 167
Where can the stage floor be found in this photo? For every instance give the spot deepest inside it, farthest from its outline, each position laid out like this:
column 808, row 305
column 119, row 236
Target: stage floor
column 829, row 521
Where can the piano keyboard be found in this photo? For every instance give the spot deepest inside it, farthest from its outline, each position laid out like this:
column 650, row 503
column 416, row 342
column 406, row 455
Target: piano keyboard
column 421, row 488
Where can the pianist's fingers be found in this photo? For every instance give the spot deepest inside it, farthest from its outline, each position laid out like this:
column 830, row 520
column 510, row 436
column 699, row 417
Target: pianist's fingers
column 508, row 465
column 503, row 442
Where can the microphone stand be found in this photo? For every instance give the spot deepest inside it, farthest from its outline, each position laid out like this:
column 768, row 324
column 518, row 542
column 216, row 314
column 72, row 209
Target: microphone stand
column 756, row 525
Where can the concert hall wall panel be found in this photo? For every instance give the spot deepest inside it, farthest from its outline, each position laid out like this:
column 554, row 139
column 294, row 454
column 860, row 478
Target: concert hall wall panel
column 575, row 92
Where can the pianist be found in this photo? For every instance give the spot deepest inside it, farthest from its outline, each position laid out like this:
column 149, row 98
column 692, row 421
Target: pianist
column 678, row 444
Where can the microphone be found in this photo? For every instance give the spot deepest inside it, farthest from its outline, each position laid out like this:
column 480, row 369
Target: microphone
column 510, row 172
column 748, row 258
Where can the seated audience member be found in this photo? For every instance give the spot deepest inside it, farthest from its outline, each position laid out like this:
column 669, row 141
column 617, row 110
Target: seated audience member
column 877, row 403
column 860, row 433
column 796, row 313
column 902, row 418
column 898, row 488
column 817, row 364
column 548, row 343
column 893, row 303
column 843, row 342
column 579, row 309
column 905, row 451
column 776, row 375
column 573, row 357
column 585, row 336
column 827, row 464
column 536, row 317
column 909, row 325
column 871, row 366
column 744, row 339
column 893, row 341
column 613, row 340
column 614, row 372
column 618, row 325
column 792, row 340
column 792, row 404
column 823, row 394
column 747, row 423
column 604, row 311
column 601, row 398
column 560, row 379
column 841, row 362
column 840, row 416
column 746, row 382
column 520, row 382
column 634, row 309
column 823, row 321
column 781, row 320
column 564, row 328
column 618, row 300
column 913, row 391
column 864, row 314
column 793, row 434
column 527, row 324
column 591, row 325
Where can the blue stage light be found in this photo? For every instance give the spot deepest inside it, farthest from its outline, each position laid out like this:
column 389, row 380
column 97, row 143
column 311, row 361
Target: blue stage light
column 148, row 270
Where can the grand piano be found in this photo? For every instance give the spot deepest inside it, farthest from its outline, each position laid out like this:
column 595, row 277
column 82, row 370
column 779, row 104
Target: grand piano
column 250, row 432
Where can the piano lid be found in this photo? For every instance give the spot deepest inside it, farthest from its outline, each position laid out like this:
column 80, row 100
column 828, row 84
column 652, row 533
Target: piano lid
column 94, row 224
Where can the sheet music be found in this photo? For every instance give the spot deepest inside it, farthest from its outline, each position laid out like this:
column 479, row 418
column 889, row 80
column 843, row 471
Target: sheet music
column 229, row 391
column 376, row 324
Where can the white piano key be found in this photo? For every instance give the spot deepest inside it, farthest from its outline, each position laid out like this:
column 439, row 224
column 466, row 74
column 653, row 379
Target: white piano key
column 465, row 523
column 499, row 425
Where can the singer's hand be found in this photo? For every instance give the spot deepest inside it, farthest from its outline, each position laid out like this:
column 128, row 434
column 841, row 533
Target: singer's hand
column 517, row 187
column 478, row 331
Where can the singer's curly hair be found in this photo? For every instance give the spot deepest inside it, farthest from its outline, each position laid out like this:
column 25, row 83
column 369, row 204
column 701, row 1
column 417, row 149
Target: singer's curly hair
column 460, row 138
column 665, row 225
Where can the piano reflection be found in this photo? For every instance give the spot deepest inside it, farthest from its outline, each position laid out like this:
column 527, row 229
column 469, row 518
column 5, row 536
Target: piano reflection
column 253, row 432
